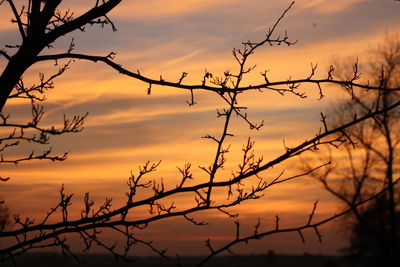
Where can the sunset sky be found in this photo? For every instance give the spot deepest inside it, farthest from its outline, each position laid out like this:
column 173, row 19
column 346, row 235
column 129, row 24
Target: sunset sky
column 126, row 127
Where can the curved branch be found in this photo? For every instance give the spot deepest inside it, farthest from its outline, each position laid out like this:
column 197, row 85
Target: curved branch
column 220, row 89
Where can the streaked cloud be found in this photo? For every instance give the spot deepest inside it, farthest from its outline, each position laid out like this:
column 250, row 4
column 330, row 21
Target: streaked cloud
column 161, row 9
column 125, row 127
column 326, row 6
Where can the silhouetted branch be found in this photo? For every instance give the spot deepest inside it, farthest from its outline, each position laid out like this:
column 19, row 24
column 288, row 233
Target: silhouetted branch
column 17, row 17
column 5, row 54
column 222, row 88
column 308, row 225
column 106, row 218
column 44, row 22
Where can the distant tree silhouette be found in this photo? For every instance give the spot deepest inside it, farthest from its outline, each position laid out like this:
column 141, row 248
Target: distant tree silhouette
column 371, row 239
column 4, row 215
column 371, row 162
column 40, row 24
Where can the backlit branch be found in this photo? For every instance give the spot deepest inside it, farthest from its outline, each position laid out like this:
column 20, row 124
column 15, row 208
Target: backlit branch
column 292, row 84
column 149, row 200
column 299, row 229
column 104, row 217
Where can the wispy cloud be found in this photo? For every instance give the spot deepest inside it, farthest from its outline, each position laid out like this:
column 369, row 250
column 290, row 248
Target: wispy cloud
column 126, row 127
column 172, row 62
column 326, row 6
column 161, row 9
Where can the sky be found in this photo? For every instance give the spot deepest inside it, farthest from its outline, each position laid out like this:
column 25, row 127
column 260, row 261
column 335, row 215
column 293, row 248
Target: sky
column 126, row 127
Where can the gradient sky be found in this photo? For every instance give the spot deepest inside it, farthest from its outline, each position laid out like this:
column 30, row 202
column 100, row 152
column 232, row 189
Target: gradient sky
column 125, row 127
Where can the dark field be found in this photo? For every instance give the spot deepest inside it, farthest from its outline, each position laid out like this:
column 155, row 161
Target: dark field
column 91, row 260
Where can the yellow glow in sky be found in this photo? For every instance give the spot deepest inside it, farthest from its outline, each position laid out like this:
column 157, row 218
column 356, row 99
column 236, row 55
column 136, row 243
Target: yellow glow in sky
column 125, row 127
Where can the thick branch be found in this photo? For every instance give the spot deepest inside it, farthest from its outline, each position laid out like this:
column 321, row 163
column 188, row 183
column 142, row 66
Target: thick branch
column 95, row 12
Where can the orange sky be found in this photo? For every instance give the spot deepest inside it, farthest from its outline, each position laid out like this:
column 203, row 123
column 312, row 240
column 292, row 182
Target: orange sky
column 126, row 127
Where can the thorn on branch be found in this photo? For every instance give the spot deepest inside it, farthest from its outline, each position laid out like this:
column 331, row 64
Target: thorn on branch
column 301, row 237
column 313, row 68
column 321, row 95
column 71, row 46
column 264, row 74
column 257, row 226
column 330, row 72
column 112, row 55
column 318, row 234
column 192, row 220
column 208, row 245
column 323, row 120
column 207, row 75
column 184, row 74
column 191, row 102
column 311, row 216
column 237, row 223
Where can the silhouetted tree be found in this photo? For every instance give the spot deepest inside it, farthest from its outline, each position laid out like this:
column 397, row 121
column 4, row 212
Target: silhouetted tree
column 40, row 23
column 371, row 160
column 4, row 215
